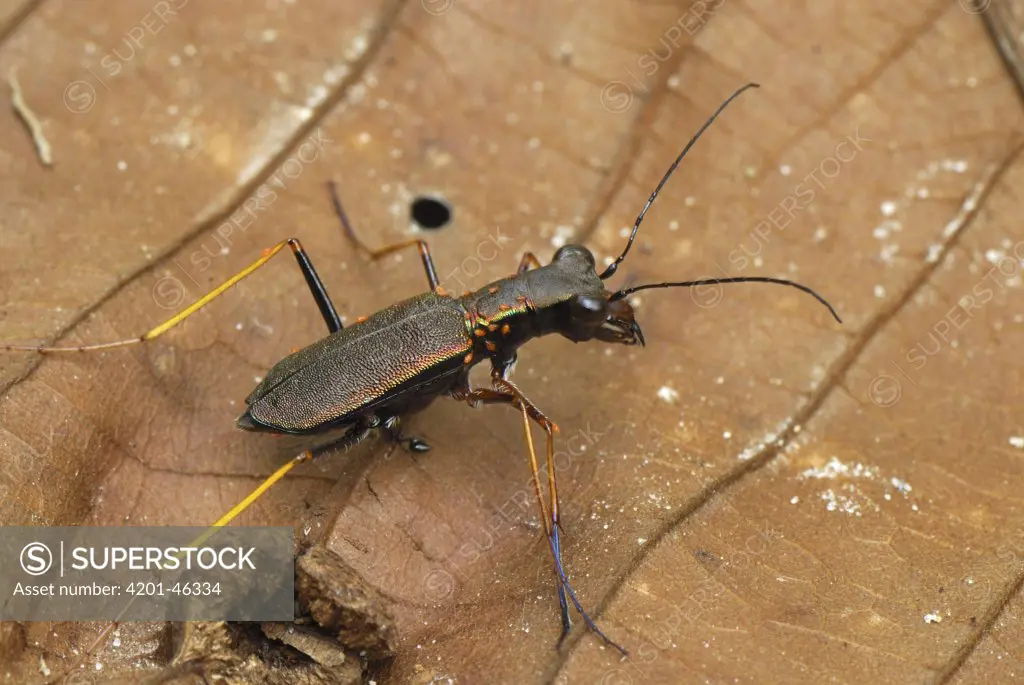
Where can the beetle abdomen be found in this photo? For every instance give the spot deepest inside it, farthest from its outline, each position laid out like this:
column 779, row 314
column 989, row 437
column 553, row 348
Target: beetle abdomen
column 363, row 365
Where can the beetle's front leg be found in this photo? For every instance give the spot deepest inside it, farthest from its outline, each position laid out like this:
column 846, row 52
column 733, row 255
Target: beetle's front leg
column 506, row 393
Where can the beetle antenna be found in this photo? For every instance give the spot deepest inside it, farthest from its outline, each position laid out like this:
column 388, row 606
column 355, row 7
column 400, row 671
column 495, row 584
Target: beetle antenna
column 619, row 294
column 613, row 267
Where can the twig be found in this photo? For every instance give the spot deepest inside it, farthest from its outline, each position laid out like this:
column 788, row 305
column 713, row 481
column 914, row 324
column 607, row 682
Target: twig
column 29, row 117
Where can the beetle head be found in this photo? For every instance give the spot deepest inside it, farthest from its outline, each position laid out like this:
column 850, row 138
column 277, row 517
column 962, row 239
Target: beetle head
column 590, row 313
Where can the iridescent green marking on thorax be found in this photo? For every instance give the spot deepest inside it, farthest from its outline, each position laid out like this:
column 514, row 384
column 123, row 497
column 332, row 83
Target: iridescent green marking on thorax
column 509, row 311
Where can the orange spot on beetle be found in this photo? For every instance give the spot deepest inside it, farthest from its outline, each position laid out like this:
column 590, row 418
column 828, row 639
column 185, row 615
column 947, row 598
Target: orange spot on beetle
column 506, row 329
column 466, row 293
column 493, row 289
column 441, row 291
column 479, row 332
column 494, row 327
column 361, row 319
column 468, row 359
column 503, row 308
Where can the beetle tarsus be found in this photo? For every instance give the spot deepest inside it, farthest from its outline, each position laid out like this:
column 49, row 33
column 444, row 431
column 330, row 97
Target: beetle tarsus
column 411, row 443
column 417, row 445
column 563, row 580
column 563, row 603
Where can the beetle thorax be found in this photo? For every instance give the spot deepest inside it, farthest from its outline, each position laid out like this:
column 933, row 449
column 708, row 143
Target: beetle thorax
column 509, row 312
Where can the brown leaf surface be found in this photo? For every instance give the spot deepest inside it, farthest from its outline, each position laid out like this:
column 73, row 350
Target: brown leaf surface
column 757, row 495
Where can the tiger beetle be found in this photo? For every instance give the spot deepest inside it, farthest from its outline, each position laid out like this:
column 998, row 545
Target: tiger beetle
column 371, row 374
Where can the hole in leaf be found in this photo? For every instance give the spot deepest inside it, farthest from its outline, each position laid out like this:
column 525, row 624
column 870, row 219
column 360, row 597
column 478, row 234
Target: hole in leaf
column 430, row 212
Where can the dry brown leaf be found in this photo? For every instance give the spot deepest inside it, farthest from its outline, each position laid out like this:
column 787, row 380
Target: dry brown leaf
column 757, row 495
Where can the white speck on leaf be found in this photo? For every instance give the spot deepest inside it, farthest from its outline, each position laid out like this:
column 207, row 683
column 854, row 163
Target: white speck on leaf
column 901, row 485
column 994, row 256
column 835, row 468
column 562, row 235
column 667, row 394
column 888, row 252
column 837, row 502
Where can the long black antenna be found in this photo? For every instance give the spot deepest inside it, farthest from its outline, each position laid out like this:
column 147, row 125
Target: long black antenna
column 618, row 295
column 613, row 267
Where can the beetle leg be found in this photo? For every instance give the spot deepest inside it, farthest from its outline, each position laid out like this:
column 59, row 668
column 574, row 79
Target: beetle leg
column 315, row 287
column 505, row 365
column 352, row 437
column 506, row 392
column 556, row 521
column 529, row 260
column 392, row 425
column 379, row 253
column 552, row 527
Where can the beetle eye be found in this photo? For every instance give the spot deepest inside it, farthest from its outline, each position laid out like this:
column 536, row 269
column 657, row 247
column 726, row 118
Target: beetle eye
column 589, row 308
column 564, row 252
column 575, row 252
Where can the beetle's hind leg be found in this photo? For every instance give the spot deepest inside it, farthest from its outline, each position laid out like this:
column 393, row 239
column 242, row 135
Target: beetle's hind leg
column 379, row 253
column 392, row 425
column 356, row 433
column 316, row 288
